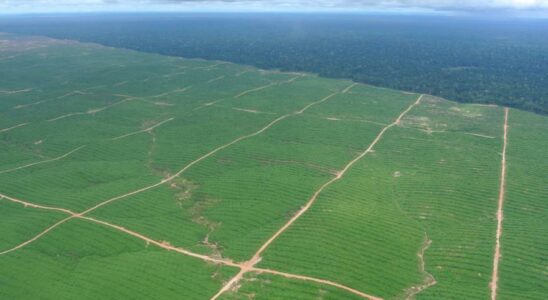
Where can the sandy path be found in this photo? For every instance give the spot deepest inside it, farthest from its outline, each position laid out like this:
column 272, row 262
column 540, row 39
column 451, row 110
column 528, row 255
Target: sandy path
column 480, row 135
column 255, row 89
column 73, row 215
column 163, row 245
column 36, row 237
column 29, row 204
column 168, row 75
column 353, row 120
column 211, row 66
column 321, row 281
column 29, row 104
column 76, row 92
column 496, row 257
column 169, row 247
column 290, row 80
column 212, row 152
column 339, row 175
column 241, row 94
column 13, row 127
column 66, row 116
column 216, row 79
column 251, row 111
column 257, row 256
column 91, row 111
column 170, row 178
column 16, row 91
column 244, row 267
column 170, row 92
column 143, row 130
column 42, row 162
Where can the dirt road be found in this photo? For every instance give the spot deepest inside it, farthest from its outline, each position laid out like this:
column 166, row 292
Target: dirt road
column 500, row 216
column 257, row 256
column 42, row 162
column 244, row 267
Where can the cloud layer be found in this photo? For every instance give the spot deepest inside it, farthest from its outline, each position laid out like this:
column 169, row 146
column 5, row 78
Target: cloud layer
column 432, row 5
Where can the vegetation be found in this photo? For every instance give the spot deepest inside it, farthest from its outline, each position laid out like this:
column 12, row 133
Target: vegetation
column 86, row 261
column 465, row 59
column 133, row 175
column 413, row 187
column 524, row 222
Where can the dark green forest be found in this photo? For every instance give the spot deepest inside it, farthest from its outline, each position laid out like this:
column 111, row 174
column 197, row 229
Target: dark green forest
column 467, row 59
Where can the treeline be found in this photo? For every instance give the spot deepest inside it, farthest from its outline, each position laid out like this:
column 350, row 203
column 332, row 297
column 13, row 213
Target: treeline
column 462, row 59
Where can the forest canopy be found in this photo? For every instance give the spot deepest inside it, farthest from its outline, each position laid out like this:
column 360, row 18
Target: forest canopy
column 491, row 61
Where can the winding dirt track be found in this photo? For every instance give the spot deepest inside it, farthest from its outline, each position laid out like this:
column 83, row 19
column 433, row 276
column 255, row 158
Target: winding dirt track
column 496, row 257
column 212, row 152
column 321, row 281
column 15, row 92
column 167, row 246
column 73, row 215
column 164, row 245
column 216, row 79
column 170, row 178
column 28, row 204
column 245, row 267
column 37, row 236
column 211, row 66
column 267, row 86
column 142, row 131
column 171, row 92
column 249, row 265
column 43, row 161
column 13, row 127
column 91, row 111
column 254, row 90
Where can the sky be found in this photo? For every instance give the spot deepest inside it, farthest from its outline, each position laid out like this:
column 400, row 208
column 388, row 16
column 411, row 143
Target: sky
column 425, row 6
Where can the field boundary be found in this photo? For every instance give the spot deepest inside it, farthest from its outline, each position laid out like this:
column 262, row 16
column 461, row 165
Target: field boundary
column 167, row 246
column 189, row 165
column 93, row 111
column 149, row 129
column 13, row 127
column 42, row 161
column 500, row 211
column 256, row 258
column 245, row 267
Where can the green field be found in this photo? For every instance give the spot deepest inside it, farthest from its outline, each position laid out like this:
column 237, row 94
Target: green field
column 126, row 175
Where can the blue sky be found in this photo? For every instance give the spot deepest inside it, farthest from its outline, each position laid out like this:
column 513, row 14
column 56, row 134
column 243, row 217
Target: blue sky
column 426, row 6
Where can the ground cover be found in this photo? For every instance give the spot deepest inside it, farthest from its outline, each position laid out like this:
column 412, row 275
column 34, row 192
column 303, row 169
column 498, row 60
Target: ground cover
column 156, row 177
